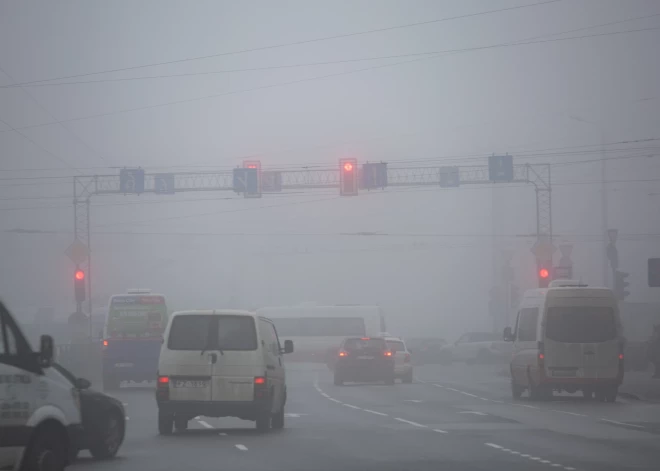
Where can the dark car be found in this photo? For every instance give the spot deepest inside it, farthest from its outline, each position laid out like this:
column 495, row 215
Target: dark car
column 103, row 419
column 364, row 360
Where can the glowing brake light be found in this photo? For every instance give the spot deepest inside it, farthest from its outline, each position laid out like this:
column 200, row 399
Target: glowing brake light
column 163, row 380
column 105, row 343
column 343, row 354
column 620, row 356
column 388, row 353
column 259, row 380
column 541, row 356
column 365, row 338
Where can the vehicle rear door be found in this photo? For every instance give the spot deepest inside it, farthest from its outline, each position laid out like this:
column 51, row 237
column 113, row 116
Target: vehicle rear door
column 187, row 358
column 582, row 341
column 525, row 344
column 365, row 353
column 272, row 354
column 238, row 358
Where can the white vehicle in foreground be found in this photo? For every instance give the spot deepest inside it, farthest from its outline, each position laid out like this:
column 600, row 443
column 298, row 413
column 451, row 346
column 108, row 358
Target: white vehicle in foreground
column 567, row 337
column 319, row 330
column 221, row 363
column 40, row 421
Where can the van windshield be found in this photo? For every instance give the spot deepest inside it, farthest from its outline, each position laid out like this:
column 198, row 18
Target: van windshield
column 208, row 332
column 581, row 324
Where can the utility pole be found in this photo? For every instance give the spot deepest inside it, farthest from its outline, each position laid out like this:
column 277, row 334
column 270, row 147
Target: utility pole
column 603, row 204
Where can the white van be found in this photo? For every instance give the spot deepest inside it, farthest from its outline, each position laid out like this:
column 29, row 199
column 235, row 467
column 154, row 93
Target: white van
column 221, row 363
column 568, row 337
column 39, row 409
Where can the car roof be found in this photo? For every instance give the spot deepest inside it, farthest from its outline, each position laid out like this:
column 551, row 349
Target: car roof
column 394, row 339
column 210, row 312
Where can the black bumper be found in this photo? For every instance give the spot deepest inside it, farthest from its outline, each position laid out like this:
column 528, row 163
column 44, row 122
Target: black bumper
column 246, row 410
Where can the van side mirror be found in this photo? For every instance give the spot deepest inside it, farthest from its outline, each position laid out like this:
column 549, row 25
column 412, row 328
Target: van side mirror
column 288, row 346
column 46, row 351
column 508, row 335
column 82, row 383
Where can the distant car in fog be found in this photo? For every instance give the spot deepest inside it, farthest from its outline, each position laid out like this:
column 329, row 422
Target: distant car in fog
column 403, row 368
column 425, row 350
column 477, row 347
column 364, row 360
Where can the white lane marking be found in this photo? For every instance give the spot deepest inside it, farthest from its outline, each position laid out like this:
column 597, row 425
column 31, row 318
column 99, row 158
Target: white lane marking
column 472, row 412
column 621, row 423
column 499, row 402
column 452, row 389
column 335, row 400
column 410, row 422
column 293, row 415
column 127, row 418
column 352, row 406
column 484, row 399
column 324, row 394
column 438, row 385
column 526, row 405
column 439, row 431
column 241, row 447
column 222, row 434
column 205, row 424
column 468, row 394
column 374, row 412
column 411, row 400
column 569, row 413
column 533, row 458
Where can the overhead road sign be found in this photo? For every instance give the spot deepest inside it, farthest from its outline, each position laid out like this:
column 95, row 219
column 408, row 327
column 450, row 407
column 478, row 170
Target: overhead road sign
column 131, row 180
column 164, row 183
column 500, row 168
column 374, row 175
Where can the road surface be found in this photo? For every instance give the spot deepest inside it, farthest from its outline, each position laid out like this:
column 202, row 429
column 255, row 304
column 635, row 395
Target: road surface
column 452, row 417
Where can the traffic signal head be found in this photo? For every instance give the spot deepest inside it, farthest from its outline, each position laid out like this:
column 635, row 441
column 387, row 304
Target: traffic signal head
column 79, row 285
column 348, row 177
column 543, row 274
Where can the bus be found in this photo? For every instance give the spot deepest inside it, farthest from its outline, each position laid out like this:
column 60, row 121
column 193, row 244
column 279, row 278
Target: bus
column 132, row 337
column 317, row 331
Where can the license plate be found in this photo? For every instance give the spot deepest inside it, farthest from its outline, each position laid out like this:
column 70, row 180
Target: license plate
column 564, row 373
column 190, row 384
column 123, row 365
column 365, row 357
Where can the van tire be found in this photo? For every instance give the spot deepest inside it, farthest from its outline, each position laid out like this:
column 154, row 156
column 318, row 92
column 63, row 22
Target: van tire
column 180, row 423
column 588, row 394
column 264, row 420
column 47, row 450
column 106, row 442
column 516, row 391
column 611, row 394
column 278, row 419
column 165, row 423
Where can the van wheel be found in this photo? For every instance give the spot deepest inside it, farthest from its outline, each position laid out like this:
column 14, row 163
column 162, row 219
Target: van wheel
column 263, row 421
column 108, row 440
column 408, row 378
column 588, row 394
column 516, row 391
column 611, row 394
column 278, row 419
column 47, row 452
column 165, row 423
column 180, row 423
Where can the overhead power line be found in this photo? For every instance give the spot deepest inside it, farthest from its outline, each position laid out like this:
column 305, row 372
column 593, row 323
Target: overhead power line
column 433, row 54
column 294, row 43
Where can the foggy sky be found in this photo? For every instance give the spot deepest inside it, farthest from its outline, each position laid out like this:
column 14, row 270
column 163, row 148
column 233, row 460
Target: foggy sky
column 522, row 100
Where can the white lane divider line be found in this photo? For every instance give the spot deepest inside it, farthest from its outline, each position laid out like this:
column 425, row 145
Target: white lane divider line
column 410, row 422
column 569, row 413
column 204, row 424
column 241, row 447
column 533, row 458
column 621, row 423
column 438, row 385
column 468, row 394
column 439, row 431
column 484, row 399
column 412, row 400
column 475, row 412
column 525, row 405
column 374, row 412
column 223, row 434
column 452, row 389
column 352, row 406
column 127, row 418
column 335, row 400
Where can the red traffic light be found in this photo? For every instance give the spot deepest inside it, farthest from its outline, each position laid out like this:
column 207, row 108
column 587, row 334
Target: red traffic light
column 79, row 275
column 544, row 273
column 252, row 166
column 348, row 167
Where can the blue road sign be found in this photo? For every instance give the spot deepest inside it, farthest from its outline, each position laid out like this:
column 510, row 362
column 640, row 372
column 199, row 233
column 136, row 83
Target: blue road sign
column 500, row 168
column 246, row 180
column 164, row 183
column 449, row 177
column 131, row 180
column 374, row 175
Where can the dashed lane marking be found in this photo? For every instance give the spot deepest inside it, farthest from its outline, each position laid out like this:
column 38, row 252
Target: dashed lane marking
column 621, row 423
column 410, row 422
column 352, row 406
column 412, row 400
column 525, row 405
column 223, row 434
column 241, row 447
column 475, row 412
column 127, row 418
column 204, row 424
column 335, row 400
column 533, row 458
column 569, row 413
column 439, row 431
column 375, row 412
column 468, row 394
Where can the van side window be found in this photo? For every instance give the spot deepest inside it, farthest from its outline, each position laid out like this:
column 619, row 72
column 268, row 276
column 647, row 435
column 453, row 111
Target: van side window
column 276, row 340
column 8, row 345
column 527, row 321
column 269, row 338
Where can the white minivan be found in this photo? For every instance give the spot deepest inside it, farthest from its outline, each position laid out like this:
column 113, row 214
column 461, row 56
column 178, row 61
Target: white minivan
column 40, row 421
column 221, row 363
column 568, row 337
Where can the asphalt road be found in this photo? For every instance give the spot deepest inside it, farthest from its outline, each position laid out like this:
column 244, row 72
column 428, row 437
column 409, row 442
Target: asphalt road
column 452, row 417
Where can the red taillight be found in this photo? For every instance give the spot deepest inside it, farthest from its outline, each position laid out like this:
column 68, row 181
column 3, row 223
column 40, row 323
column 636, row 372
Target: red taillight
column 407, row 358
column 163, row 380
column 260, row 380
column 620, row 356
column 105, row 343
column 163, row 388
column 541, row 356
column 343, row 354
column 388, row 353
column 260, row 387
column 365, row 338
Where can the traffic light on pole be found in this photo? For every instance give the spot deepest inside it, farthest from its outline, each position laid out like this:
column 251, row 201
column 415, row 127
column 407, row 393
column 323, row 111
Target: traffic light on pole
column 348, row 177
column 79, row 285
column 543, row 273
column 620, row 285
